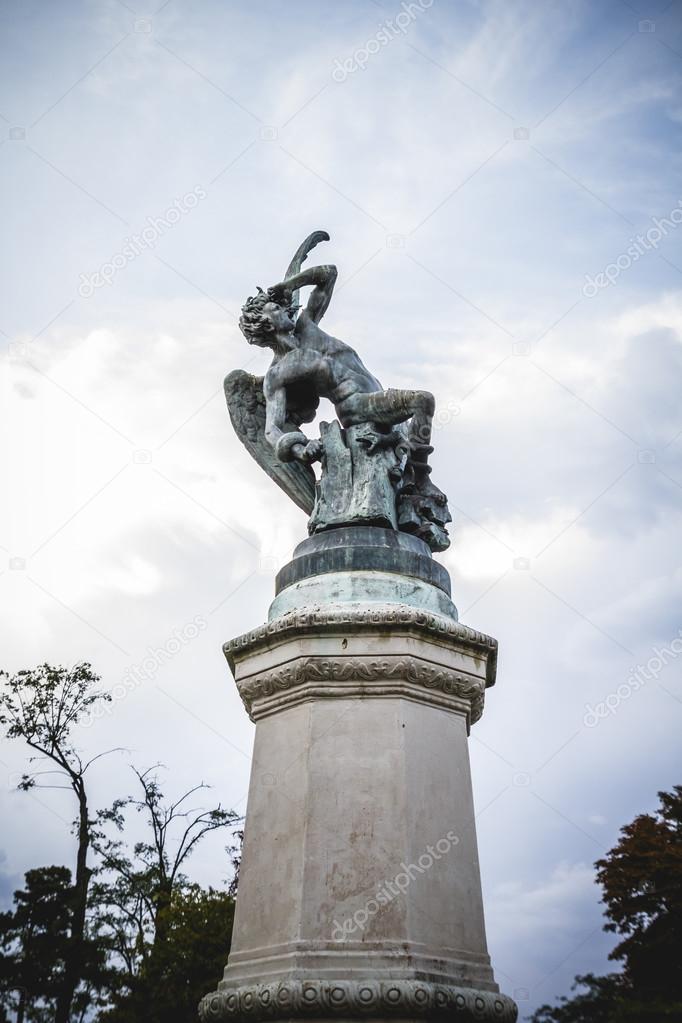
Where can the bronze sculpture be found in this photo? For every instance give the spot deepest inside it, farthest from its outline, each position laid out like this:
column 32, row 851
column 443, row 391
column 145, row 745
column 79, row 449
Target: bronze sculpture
column 374, row 458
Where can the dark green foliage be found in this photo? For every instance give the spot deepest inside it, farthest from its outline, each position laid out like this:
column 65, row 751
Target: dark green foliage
column 41, row 707
column 166, row 936
column 128, row 937
column 641, row 879
column 34, row 944
column 186, row 965
column 602, row 1001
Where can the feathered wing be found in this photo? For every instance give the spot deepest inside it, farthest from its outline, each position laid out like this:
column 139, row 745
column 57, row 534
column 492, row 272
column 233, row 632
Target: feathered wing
column 246, row 405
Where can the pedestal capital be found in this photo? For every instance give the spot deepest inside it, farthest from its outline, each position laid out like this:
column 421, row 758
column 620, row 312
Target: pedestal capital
column 368, row 651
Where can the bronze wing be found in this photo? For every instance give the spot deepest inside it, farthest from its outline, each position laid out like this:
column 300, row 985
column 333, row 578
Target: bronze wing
column 246, row 405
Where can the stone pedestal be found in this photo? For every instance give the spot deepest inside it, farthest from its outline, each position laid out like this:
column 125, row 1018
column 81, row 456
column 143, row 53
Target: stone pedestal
column 359, row 893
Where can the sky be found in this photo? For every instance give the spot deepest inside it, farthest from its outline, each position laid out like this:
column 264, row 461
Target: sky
column 501, row 183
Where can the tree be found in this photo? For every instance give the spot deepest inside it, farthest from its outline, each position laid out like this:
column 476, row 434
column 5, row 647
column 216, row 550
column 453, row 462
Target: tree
column 236, row 857
column 41, row 707
column 188, row 964
column 33, row 941
column 112, row 935
column 145, row 901
column 601, row 1002
column 641, row 879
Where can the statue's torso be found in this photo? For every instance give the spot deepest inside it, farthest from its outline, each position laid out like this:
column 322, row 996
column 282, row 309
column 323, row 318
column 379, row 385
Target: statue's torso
column 321, row 367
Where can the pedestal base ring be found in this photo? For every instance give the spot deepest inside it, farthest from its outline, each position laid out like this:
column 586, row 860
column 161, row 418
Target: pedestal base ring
column 348, row 999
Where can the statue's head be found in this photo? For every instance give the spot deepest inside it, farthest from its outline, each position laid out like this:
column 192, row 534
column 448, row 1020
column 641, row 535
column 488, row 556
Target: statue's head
column 263, row 318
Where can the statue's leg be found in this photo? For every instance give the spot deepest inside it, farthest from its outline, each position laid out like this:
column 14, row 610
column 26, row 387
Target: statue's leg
column 422, row 420
column 396, row 406
column 422, row 507
column 393, row 406
column 388, row 408
column 422, row 408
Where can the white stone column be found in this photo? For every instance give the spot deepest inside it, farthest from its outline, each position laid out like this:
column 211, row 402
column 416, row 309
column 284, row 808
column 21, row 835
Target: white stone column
column 359, row 892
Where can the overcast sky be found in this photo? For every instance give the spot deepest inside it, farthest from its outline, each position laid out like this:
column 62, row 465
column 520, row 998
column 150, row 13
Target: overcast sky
column 478, row 167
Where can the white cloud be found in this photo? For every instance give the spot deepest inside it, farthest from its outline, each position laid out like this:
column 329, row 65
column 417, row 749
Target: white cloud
column 550, row 397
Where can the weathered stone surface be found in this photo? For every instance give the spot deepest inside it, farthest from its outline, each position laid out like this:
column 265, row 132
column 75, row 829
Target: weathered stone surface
column 327, row 666
column 360, row 588
column 344, row 792
column 331, row 999
column 360, row 891
column 404, row 676
column 358, row 625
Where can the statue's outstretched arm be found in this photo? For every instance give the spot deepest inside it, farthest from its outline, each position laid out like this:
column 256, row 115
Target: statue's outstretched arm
column 321, row 278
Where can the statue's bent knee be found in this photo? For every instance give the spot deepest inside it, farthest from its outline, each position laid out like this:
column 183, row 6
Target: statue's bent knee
column 426, row 402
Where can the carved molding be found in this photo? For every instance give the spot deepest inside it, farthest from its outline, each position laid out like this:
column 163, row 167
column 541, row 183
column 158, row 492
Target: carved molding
column 372, row 617
column 397, row 669
column 370, row 998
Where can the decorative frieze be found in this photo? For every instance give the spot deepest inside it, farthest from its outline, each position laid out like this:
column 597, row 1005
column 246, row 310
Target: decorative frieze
column 330, row 999
column 406, row 675
column 342, row 619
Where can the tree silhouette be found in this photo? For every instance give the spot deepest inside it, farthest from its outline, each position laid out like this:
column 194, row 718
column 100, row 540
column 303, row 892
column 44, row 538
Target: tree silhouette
column 144, row 895
column 641, row 879
column 41, row 706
